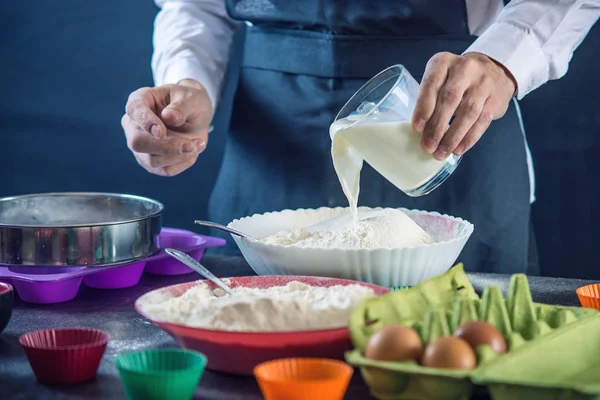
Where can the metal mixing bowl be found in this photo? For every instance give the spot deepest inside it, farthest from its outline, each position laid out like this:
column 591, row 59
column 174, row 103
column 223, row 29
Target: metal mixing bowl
column 78, row 229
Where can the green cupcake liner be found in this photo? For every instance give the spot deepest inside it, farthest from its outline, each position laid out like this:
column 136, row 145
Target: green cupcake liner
column 161, row 374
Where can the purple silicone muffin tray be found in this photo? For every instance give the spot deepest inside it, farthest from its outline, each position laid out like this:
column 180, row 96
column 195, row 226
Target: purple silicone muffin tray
column 57, row 285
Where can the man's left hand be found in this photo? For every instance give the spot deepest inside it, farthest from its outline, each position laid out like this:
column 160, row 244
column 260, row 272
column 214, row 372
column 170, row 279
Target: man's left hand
column 473, row 89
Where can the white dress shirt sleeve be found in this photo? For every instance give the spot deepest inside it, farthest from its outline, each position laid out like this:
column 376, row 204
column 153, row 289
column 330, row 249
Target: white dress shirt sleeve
column 192, row 40
column 535, row 39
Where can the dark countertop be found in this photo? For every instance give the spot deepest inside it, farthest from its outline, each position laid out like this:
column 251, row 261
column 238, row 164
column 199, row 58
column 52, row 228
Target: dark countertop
column 112, row 310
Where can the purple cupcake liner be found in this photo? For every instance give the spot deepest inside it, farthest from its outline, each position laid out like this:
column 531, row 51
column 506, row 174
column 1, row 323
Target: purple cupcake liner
column 118, row 278
column 57, row 285
column 194, row 245
column 47, row 292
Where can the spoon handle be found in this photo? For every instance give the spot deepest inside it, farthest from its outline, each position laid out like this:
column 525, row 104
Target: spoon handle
column 199, row 268
column 224, row 228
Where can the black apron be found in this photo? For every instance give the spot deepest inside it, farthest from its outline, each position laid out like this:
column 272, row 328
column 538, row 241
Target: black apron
column 302, row 61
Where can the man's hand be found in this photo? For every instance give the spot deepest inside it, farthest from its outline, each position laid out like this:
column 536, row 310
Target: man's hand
column 167, row 126
column 473, row 88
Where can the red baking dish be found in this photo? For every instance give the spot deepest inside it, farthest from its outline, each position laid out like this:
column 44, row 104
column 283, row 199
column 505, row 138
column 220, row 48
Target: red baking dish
column 240, row 352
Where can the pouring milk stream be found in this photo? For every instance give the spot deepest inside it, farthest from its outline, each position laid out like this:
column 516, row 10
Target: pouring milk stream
column 375, row 126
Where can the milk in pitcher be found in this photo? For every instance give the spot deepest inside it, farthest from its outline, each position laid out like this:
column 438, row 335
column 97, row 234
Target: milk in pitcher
column 392, row 148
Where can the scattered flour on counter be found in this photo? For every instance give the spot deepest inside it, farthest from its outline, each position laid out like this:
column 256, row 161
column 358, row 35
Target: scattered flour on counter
column 385, row 228
column 293, row 307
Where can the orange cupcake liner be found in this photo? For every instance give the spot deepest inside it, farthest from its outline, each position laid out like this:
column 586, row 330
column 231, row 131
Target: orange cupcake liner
column 589, row 296
column 303, row 379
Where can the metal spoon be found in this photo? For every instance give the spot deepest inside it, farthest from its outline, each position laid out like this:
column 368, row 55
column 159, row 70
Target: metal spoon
column 199, row 268
column 226, row 229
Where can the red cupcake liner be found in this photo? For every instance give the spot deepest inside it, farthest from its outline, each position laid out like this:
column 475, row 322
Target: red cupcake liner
column 589, row 296
column 64, row 356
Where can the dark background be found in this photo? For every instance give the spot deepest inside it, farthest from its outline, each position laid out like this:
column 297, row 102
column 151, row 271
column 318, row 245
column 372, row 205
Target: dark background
column 68, row 66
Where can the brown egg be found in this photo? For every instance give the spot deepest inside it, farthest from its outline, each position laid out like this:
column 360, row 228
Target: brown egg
column 449, row 353
column 394, row 343
column 479, row 333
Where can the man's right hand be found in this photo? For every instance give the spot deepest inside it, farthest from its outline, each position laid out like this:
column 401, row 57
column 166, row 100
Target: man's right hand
column 167, row 126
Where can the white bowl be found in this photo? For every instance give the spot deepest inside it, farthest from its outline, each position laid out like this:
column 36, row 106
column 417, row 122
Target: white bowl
column 405, row 266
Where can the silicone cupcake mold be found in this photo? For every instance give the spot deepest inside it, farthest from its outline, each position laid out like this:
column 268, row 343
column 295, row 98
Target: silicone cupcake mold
column 552, row 350
column 57, row 285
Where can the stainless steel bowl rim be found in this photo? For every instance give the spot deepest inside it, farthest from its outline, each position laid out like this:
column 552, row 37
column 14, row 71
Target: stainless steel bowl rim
column 84, row 225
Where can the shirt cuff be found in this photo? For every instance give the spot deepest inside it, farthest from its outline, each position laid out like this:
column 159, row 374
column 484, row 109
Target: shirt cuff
column 185, row 68
column 518, row 52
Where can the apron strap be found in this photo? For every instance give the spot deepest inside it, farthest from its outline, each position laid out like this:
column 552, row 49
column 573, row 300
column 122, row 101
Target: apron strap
column 339, row 56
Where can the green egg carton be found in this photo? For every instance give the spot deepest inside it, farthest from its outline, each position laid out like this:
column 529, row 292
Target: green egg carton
column 565, row 364
column 554, row 351
column 400, row 287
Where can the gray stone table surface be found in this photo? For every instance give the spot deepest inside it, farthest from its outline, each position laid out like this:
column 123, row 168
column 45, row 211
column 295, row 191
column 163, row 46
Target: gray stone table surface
column 112, row 310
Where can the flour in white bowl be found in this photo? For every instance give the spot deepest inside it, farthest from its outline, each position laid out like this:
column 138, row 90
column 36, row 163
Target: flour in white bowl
column 384, row 228
column 293, row 307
